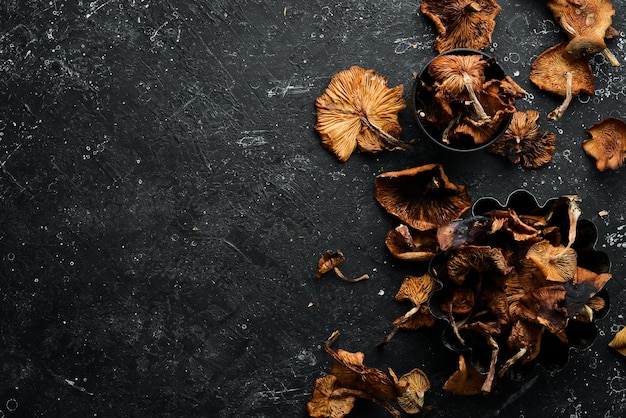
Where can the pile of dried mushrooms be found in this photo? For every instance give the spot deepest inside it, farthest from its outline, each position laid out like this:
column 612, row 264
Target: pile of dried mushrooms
column 510, row 282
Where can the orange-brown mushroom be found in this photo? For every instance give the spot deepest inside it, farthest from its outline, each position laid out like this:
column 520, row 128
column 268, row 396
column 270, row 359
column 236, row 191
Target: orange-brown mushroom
column 524, row 142
column 466, row 380
column 618, row 343
column 462, row 23
column 587, row 23
column 607, row 144
column 458, row 78
column 411, row 245
column 557, row 263
column 558, row 72
column 327, row 399
column 415, row 384
column 330, row 260
column 422, row 197
column 475, row 258
column 359, row 111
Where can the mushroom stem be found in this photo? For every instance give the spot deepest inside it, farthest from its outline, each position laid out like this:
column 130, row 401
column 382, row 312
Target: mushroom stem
column 446, row 132
column 390, row 138
column 511, row 361
column 478, row 108
column 488, row 383
column 559, row 111
column 347, row 279
column 398, row 323
column 612, row 59
column 455, row 327
column 473, row 7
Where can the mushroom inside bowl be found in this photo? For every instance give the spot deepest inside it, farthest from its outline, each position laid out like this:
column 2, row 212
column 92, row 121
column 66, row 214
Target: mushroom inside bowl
column 521, row 284
column 463, row 100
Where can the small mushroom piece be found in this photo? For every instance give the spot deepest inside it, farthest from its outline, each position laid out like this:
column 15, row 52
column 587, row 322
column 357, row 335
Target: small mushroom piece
column 466, row 380
column 557, row 263
column 525, row 337
column 359, row 111
column 607, row 144
column 618, row 343
column 412, row 387
column 524, row 142
column 462, row 23
column 585, row 286
column 414, row 245
column 459, row 232
column 458, row 79
column 330, row 260
column 559, row 72
column 587, row 23
column 422, row 197
column 327, row 400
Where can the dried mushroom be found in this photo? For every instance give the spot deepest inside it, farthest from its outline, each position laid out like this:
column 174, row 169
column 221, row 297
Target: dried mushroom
column 466, row 380
column 607, row 144
column 330, row 260
column 422, row 197
column 587, row 23
column 416, row 383
column 462, row 23
column 558, row 264
column 558, row 72
column 411, row 245
column 329, row 400
column 618, row 343
column 524, row 142
column 359, row 112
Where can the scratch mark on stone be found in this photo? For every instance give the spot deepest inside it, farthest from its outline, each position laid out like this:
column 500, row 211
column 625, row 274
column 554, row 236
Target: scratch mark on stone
column 94, row 11
column 156, row 32
column 234, row 247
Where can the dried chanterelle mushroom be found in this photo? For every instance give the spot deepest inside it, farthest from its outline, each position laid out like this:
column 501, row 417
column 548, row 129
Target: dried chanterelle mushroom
column 359, row 111
column 330, row 260
column 524, row 142
column 558, row 72
column 607, row 144
column 422, row 197
column 587, row 23
column 462, row 23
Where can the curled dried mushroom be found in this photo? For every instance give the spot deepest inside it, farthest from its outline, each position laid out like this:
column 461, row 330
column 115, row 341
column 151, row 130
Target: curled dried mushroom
column 524, row 142
column 359, row 112
column 607, row 144
column 462, row 23
column 330, row 261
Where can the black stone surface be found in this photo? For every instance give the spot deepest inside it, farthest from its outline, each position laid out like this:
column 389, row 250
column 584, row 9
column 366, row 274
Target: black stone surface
column 165, row 199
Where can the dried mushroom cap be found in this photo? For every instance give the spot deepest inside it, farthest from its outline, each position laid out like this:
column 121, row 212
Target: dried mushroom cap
column 422, row 197
column 543, row 306
column 618, row 343
column 558, row 264
column 359, row 111
column 414, row 385
column 525, row 337
column 405, row 244
column 475, row 258
column 328, row 261
column 587, row 23
column 458, row 78
column 417, row 289
column 607, row 144
column 462, row 23
column 524, row 142
column 466, row 380
column 327, row 400
column 558, row 72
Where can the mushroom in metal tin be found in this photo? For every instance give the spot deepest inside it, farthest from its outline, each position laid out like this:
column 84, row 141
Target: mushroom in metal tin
column 462, row 23
column 422, row 197
column 359, row 112
column 607, row 144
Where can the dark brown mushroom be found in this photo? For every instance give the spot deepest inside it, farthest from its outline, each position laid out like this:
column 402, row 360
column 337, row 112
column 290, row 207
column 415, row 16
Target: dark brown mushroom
column 543, row 306
column 524, row 142
column 607, row 144
column 558, row 72
column 359, row 111
column 411, row 245
column 587, row 23
column 475, row 258
column 330, row 260
column 462, row 23
column 422, row 197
